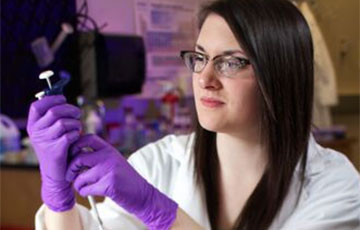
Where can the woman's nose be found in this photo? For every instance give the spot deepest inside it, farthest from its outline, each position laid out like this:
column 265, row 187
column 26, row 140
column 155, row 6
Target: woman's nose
column 208, row 79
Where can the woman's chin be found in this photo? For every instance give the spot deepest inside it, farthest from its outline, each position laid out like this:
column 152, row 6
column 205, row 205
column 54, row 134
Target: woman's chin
column 210, row 126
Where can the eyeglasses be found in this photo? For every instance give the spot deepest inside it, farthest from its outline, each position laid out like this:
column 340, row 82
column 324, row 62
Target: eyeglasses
column 227, row 65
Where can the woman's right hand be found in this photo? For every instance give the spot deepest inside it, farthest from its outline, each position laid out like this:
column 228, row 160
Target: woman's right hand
column 109, row 174
column 53, row 126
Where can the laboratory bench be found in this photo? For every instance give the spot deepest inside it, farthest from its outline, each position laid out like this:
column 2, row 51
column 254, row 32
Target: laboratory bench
column 20, row 196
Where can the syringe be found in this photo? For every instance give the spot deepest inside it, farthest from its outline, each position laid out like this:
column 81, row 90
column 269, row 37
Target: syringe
column 57, row 89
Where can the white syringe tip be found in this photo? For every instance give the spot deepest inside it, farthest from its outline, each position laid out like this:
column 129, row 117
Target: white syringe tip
column 46, row 74
column 40, row 95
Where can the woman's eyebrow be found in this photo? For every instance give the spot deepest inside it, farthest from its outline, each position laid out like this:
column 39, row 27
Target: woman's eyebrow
column 199, row 47
column 229, row 52
column 226, row 52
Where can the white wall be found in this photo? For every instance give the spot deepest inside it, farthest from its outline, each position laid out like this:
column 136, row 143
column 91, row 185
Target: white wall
column 118, row 14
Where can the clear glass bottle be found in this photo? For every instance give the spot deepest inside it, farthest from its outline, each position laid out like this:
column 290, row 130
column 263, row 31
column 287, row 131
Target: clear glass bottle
column 129, row 130
column 140, row 139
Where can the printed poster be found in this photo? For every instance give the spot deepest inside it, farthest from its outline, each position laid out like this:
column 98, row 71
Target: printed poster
column 167, row 27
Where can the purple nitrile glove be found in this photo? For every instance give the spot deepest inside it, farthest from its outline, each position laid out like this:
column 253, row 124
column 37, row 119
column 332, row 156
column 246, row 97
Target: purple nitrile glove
column 109, row 174
column 53, row 126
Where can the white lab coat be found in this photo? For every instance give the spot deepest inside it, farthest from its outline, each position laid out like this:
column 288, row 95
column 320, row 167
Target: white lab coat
column 330, row 199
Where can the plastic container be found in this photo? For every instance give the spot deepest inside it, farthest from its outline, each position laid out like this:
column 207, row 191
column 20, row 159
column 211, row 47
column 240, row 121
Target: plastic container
column 9, row 136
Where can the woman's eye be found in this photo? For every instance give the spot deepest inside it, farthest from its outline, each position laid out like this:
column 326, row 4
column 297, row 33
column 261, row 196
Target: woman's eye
column 238, row 63
column 198, row 59
column 243, row 62
column 232, row 64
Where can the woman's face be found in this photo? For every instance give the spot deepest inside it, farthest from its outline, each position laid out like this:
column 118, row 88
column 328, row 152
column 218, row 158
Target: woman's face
column 224, row 104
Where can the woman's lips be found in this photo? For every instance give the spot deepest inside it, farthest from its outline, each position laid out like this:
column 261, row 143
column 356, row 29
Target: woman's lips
column 211, row 102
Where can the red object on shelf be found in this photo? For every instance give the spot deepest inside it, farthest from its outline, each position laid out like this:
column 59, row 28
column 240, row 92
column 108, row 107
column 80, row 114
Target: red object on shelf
column 170, row 99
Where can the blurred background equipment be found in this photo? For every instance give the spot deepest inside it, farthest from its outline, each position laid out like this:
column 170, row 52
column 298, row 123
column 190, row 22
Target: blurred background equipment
column 24, row 23
column 53, row 34
column 9, row 136
column 111, row 65
column 45, row 54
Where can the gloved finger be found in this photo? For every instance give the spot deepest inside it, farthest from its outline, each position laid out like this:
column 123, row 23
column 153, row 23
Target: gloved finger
column 62, row 144
column 39, row 108
column 57, row 112
column 82, row 160
column 62, row 126
column 95, row 189
column 87, row 177
column 92, row 141
column 69, row 138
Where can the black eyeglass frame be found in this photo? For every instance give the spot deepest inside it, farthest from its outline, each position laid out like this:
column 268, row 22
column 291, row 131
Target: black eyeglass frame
column 207, row 58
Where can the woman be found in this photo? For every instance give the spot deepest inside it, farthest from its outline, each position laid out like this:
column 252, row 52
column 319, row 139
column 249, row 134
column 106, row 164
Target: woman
column 251, row 163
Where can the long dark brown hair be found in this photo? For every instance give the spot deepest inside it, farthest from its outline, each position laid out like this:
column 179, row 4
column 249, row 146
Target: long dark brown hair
column 277, row 40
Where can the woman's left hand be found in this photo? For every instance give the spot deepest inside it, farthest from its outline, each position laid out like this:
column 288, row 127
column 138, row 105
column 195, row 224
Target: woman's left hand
column 109, row 174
